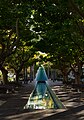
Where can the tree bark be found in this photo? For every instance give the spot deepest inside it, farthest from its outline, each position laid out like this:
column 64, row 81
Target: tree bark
column 65, row 74
column 77, row 71
column 17, row 76
column 5, row 75
column 77, row 78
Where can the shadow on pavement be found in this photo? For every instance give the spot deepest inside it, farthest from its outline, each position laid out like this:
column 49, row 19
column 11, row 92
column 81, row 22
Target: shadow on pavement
column 48, row 114
column 12, row 109
column 70, row 114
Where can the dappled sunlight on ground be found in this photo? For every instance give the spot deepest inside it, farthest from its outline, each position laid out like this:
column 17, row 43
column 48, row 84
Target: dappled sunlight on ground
column 2, row 102
column 33, row 114
column 80, row 115
column 11, row 105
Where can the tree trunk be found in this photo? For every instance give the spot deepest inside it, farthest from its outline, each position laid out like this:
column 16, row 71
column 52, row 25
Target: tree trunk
column 17, row 76
column 78, row 74
column 25, row 74
column 5, row 75
column 77, row 78
column 65, row 78
column 77, row 71
column 65, row 74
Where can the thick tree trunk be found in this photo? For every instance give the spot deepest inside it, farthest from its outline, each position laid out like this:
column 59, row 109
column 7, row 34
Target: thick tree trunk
column 5, row 75
column 65, row 78
column 77, row 71
column 77, row 78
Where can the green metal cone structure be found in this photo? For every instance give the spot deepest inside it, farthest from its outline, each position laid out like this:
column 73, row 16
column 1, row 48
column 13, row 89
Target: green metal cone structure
column 42, row 97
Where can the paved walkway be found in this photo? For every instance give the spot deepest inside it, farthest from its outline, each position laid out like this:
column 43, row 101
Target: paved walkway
column 11, row 105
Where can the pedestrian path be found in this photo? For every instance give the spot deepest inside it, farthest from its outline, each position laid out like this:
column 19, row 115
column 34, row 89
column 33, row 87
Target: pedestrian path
column 70, row 98
column 12, row 105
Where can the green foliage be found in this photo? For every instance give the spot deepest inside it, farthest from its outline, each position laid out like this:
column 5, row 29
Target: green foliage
column 52, row 26
column 15, row 24
column 60, row 31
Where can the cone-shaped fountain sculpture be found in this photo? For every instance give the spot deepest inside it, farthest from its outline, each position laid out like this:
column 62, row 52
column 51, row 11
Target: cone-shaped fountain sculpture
column 42, row 96
column 41, row 75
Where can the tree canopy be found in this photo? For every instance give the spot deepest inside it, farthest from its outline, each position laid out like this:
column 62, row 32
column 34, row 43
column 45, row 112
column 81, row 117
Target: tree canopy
column 55, row 27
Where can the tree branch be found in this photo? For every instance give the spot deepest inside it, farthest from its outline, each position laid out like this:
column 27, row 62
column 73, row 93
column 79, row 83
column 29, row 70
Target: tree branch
column 76, row 8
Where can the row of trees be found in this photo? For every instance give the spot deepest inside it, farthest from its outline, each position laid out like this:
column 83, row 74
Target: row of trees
column 15, row 33
column 61, row 27
column 55, row 27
